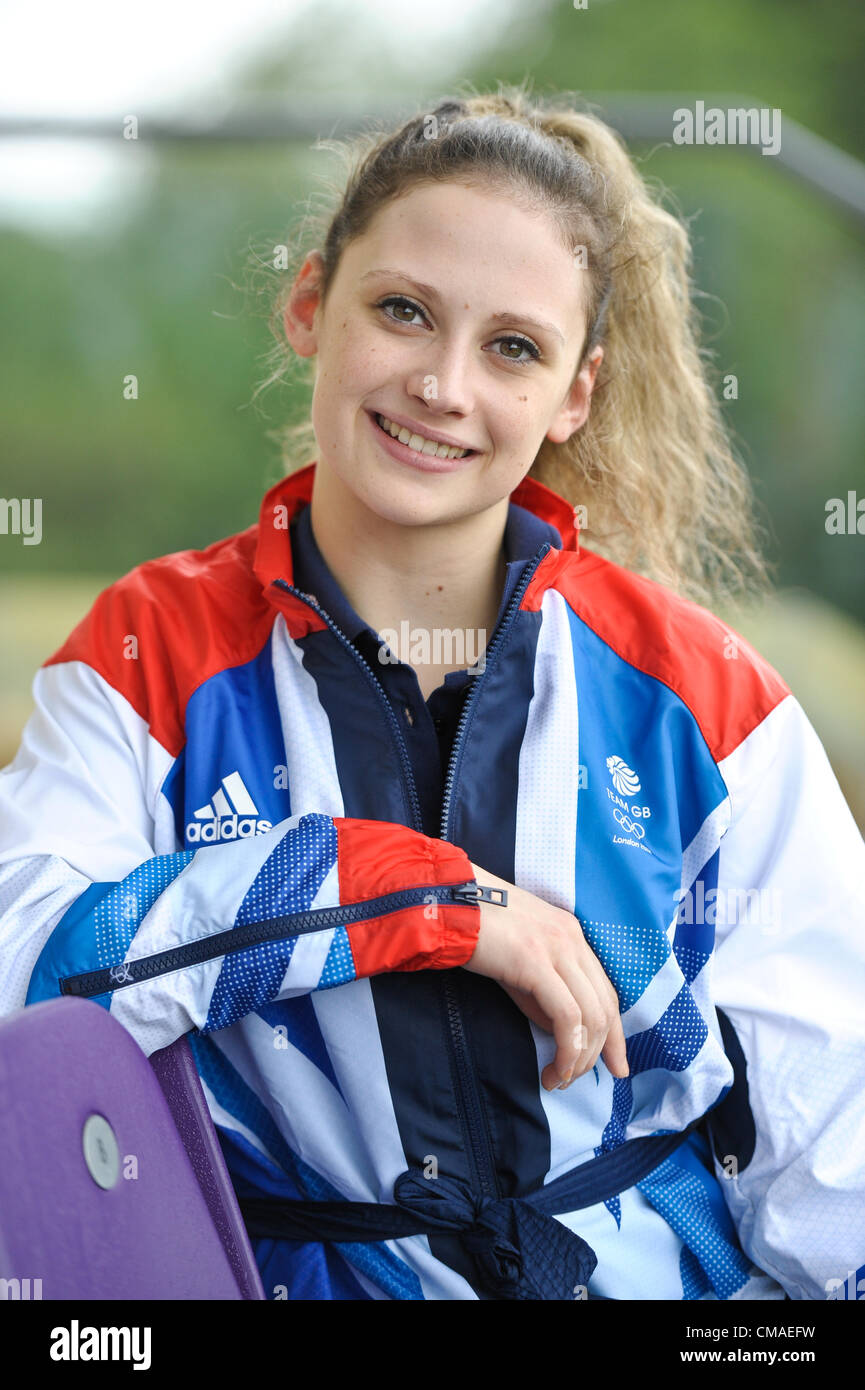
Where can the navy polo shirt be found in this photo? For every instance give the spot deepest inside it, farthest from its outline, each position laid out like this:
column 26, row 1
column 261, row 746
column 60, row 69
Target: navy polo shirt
column 428, row 726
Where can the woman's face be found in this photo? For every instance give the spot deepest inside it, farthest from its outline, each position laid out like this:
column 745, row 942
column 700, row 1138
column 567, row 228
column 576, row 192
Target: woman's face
column 457, row 314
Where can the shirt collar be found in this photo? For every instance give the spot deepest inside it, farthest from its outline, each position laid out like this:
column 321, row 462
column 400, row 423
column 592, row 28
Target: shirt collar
column 525, row 533
column 531, row 502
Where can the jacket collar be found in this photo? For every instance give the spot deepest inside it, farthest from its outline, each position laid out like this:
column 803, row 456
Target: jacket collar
column 287, row 497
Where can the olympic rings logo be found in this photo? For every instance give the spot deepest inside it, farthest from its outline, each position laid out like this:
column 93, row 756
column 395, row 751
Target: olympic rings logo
column 629, row 826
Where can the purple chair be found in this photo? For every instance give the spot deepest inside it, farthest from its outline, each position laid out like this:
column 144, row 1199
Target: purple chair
column 112, row 1180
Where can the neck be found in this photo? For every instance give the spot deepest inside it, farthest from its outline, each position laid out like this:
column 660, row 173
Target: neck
column 447, row 576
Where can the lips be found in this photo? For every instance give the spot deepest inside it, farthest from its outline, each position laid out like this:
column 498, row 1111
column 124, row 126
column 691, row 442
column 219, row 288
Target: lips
column 431, row 444
column 421, row 462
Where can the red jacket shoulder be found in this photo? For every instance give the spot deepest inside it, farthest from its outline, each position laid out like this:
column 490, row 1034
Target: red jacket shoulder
column 726, row 684
column 169, row 624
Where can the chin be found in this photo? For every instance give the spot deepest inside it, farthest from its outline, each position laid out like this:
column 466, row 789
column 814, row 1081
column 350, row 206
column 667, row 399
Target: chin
column 400, row 508
column 406, row 499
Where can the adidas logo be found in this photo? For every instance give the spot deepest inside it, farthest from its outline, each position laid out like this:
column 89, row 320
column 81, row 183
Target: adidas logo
column 231, row 815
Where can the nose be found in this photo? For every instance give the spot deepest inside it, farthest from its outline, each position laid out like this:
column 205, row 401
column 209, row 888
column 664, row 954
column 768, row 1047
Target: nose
column 444, row 379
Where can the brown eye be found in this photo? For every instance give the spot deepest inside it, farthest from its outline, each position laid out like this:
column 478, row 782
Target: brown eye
column 394, row 303
column 522, row 345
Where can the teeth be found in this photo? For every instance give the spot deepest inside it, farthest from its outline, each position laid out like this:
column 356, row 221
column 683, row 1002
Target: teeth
column 418, row 442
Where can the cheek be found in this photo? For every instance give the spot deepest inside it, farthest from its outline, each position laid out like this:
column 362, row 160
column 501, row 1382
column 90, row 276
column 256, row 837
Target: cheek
column 345, row 358
column 520, row 416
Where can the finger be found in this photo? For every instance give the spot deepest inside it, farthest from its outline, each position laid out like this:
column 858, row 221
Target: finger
column 528, row 1005
column 613, row 1050
column 555, row 999
column 586, row 1055
column 595, row 971
column 594, row 1013
column 551, row 1076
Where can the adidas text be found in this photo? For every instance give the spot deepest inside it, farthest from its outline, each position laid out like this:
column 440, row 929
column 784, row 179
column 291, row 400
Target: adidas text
column 226, row 828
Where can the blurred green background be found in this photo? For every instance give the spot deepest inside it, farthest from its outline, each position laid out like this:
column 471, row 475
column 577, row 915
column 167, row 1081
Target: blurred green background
column 154, row 284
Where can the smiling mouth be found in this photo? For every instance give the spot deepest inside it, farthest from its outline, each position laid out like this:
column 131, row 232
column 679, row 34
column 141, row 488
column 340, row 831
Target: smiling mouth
column 418, row 442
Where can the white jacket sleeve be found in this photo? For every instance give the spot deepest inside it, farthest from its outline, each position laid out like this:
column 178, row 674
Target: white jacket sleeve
column 789, row 973
column 194, row 939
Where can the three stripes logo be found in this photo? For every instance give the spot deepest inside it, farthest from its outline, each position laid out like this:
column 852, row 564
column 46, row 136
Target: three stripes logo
column 231, row 814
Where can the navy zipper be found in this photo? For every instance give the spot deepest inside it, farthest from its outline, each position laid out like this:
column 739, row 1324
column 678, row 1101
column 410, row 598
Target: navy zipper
column 491, row 651
column 475, row 1125
column 385, row 702
column 225, row 943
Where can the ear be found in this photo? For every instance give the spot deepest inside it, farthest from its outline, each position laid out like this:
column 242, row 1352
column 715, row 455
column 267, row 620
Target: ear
column 574, row 411
column 299, row 313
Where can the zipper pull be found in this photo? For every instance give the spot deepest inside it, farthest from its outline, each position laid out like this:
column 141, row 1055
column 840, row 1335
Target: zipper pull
column 473, row 893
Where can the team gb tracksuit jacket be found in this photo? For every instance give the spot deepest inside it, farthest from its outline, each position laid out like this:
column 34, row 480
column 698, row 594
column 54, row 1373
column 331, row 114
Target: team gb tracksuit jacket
column 208, row 833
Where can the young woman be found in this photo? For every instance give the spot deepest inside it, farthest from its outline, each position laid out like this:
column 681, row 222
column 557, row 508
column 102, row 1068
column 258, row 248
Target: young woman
column 487, row 864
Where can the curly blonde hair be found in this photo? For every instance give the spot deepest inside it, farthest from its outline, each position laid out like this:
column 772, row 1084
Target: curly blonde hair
column 653, row 465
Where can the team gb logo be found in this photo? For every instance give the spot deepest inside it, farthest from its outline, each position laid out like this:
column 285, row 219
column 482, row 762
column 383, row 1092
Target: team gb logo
column 625, row 781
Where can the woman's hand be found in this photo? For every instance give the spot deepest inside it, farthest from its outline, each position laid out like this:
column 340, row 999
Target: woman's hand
column 539, row 956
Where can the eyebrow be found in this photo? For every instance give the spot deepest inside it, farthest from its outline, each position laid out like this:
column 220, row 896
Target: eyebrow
column 432, row 293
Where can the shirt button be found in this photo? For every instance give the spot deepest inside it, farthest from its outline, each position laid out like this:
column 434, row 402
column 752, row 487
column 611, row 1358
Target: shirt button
column 408, row 714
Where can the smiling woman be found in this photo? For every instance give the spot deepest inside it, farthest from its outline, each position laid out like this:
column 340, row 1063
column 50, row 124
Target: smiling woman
column 458, row 1033
column 449, row 381
column 539, row 223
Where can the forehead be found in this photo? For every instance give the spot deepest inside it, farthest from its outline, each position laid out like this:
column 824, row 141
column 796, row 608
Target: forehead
column 484, row 248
